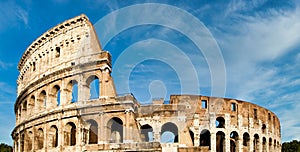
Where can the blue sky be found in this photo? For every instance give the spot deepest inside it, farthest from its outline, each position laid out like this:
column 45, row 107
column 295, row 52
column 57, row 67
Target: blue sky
column 258, row 40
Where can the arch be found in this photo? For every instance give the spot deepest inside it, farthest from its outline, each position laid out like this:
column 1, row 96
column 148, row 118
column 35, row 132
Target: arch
column 29, row 141
column 93, row 83
column 220, row 122
column 220, row 141
column 205, row 138
column 147, row 133
column 93, row 131
column 22, row 142
column 53, row 136
column 42, row 99
column 263, row 128
column 72, row 91
column 246, row 142
column 270, row 144
column 168, row 130
column 264, row 144
column 56, row 92
column 192, row 136
column 234, row 137
column 256, row 143
column 40, row 138
column 31, row 104
column 70, row 134
column 24, row 108
column 115, row 126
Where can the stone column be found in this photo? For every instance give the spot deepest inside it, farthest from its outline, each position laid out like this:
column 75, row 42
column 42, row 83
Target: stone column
column 156, row 130
column 227, row 142
column 45, row 137
column 60, row 133
column 101, row 129
column 213, row 141
column 240, row 143
column 251, row 143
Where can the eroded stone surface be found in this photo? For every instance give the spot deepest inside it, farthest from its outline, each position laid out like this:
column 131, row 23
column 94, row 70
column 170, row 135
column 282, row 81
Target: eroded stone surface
column 68, row 58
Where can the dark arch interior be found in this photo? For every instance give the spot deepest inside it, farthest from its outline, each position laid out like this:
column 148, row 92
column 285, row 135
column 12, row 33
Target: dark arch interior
column 146, row 130
column 116, row 130
column 205, row 138
column 93, row 132
column 220, row 122
column 171, row 127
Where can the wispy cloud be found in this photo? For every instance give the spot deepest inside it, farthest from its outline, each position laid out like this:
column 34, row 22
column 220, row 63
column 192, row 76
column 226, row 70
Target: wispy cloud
column 4, row 65
column 261, row 63
column 12, row 14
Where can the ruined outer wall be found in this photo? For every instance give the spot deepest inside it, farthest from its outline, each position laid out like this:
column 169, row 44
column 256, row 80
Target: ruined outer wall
column 245, row 125
column 67, row 56
column 50, row 118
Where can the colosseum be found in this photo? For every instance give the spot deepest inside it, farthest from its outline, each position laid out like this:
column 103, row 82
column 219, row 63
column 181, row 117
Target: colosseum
column 67, row 101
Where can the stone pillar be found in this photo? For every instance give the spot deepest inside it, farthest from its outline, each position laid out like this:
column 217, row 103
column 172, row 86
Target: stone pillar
column 197, row 139
column 127, row 127
column 60, row 133
column 19, row 143
column 251, row 143
column 260, row 144
column 240, row 143
column 63, row 93
column 227, row 142
column 45, row 137
column 101, row 129
column 213, row 141
column 156, row 130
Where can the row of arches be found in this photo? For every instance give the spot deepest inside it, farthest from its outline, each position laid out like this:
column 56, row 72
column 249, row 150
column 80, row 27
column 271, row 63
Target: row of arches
column 39, row 139
column 53, row 97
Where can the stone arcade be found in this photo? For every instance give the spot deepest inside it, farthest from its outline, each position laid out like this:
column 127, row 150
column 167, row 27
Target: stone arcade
column 56, row 109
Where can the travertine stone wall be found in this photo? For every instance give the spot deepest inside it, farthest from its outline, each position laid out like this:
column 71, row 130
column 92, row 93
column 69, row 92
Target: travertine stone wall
column 67, row 102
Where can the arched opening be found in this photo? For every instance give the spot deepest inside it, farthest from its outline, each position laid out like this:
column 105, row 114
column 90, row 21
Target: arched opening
column 56, row 93
column 53, row 136
column 74, row 91
column 24, row 108
column 57, row 52
column 275, row 145
column 263, row 128
column 220, row 122
column 264, row 145
column 93, row 131
column 115, row 126
column 22, row 142
column 270, row 144
column 93, row 83
column 234, row 137
column 40, row 139
column 246, row 142
column 31, row 104
column 169, row 133
column 256, row 143
column 147, row 133
column 220, row 141
column 192, row 136
column 29, row 142
column 205, row 138
column 42, row 99
column 70, row 134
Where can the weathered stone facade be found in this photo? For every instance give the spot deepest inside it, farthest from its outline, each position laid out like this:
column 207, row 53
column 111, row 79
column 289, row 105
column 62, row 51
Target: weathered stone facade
column 57, row 111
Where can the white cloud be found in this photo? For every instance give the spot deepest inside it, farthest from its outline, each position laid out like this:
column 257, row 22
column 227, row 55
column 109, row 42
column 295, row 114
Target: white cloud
column 4, row 65
column 11, row 14
column 254, row 47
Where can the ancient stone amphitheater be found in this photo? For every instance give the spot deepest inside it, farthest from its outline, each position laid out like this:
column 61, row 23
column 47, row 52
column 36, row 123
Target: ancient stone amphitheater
column 67, row 102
